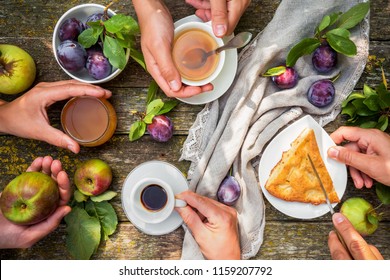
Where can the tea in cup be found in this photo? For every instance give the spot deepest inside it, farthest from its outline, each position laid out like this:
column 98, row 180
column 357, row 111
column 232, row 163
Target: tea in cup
column 88, row 120
column 197, row 35
column 153, row 201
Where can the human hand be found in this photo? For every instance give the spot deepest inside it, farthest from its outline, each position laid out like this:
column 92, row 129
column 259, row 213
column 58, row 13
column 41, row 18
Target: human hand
column 224, row 14
column 357, row 246
column 16, row 236
column 156, row 41
column 27, row 117
column 213, row 225
column 367, row 154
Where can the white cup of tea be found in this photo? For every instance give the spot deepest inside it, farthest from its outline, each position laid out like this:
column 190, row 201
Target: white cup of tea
column 153, row 201
column 192, row 35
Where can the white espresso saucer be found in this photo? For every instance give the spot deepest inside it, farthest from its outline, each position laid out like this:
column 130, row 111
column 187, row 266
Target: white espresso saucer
column 165, row 172
column 225, row 78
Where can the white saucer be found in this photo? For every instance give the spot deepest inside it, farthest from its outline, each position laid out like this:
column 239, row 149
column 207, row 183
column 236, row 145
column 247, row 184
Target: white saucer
column 163, row 171
column 225, row 78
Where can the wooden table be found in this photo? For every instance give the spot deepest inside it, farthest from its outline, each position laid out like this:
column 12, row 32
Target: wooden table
column 30, row 24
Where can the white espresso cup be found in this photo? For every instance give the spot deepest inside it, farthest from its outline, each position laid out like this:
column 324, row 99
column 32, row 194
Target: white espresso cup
column 153, row 201
column 189, row 36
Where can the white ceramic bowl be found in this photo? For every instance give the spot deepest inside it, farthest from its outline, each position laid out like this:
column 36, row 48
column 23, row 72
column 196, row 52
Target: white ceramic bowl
column 81, row 12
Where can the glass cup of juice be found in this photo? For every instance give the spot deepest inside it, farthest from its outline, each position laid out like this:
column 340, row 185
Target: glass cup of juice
column 90, row 121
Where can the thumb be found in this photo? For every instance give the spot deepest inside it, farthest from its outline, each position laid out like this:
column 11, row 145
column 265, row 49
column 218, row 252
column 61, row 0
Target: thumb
column 219, row 18
column 354, row 159
column 191, row 219
column 58, row 138
column 167, row 68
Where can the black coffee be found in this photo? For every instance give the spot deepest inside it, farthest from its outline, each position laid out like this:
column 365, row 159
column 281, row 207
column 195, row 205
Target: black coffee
column 154, row 197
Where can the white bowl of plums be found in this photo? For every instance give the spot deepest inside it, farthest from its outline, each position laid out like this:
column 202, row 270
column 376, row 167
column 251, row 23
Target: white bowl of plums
column 82, row 48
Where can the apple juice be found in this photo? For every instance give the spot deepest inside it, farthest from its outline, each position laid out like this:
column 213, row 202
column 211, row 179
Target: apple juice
column 89, row 120
column 188, row 40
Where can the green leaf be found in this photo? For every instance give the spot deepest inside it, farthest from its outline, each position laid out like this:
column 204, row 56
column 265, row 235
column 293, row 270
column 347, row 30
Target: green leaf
column 372, row 218
column 368, row 91
column 107, row 195
column 341, row 44
column 362, row 109
column 275, row 71
column 121, row 23
column 352, row 96
column 83, row 234
column 383, row 193
column 126, row 41
column 353, row 16
column 383, row 122
column 306, row 46
column 168, row 106
column 137, row 130
column 152, row 92
column 138, row 57
column 154, row 107
column 80, row 197
column 89, row 37
column 368, row 124
column 106, row 215
column 384, row 96
column 349, row 110
column 372, row 103
column 334, row 17
column 114, row 52
column 325, row 22
column 340, row 32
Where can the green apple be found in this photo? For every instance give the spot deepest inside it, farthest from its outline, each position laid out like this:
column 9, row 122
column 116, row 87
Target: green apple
column 17, row 69
column 361, row 214
column 93, row 177
column 29, row 198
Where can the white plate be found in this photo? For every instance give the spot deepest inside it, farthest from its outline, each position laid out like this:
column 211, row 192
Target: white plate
column 163, row 171
column 273, row 153
column 225, row 78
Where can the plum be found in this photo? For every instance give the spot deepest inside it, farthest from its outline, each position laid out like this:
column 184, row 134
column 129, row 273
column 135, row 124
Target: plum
column 287, row 79
column 229, row 191
column 70, row 29
column 324, row 58
column 71, row 55
column 98, row 65
column 93, row 18
column 321, row 93
column 161, row 128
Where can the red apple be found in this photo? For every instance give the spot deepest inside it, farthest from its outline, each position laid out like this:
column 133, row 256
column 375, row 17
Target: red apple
column 29, row 198
column 93, row 177
column 17, row 69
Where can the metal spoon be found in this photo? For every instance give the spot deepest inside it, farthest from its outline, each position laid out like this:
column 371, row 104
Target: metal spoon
column 197, row 57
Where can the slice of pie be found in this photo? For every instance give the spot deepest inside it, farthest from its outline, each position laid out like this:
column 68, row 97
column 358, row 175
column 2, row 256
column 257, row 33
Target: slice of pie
column 293, row 178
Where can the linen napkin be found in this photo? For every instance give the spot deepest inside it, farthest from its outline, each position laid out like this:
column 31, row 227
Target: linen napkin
column 233, row 130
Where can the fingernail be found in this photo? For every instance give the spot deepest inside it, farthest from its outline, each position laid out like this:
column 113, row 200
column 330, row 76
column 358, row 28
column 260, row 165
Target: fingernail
column 174, row 85
column 333, row 152
column 338, row 218
column 72, row 148
column 220, row 30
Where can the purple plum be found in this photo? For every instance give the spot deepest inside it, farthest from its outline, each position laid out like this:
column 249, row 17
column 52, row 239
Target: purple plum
column 287, row 79
column 161, row 128
column 324, row 59
column 71, row 55
column 229, row 191
column 321, row 93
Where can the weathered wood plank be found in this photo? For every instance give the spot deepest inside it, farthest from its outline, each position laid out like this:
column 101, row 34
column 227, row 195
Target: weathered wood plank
column 16, row 154
column 282, row 241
